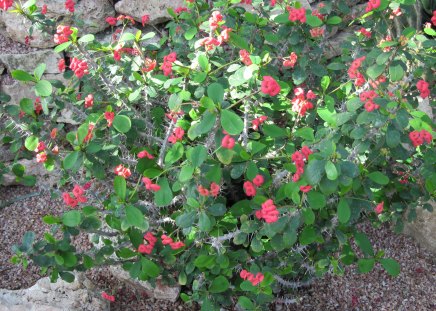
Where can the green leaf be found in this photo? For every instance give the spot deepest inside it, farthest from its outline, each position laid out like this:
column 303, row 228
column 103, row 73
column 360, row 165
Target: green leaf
column 203, row 62
column 316, row 200
column 393, row 138
column 21, row 75
column 43, row 88
column 135, row 218
column 26, row 104
column 344, row 211
column 375, row 71
column 379, row 178
column 364, row 244
column 334, row 20
column 225, row 156
column 39, row 71
column 62, row 46
column 174, row 154
column 274, row 131
column 150, row 268
column 325, row 82
column 71, row 218
column 127, row 36
column 396, row 72
column 216, row 92
column 197, row 155
column 204, row 261
column 186, row 173
column 31, row 143
column 245, row 303
column 203, row 126
column 204, row 222
column 71, row 159
column 306, row 133
column 164, row 196
column 313, row 21
column 331, row 171
column 18, row 169
column 122, row 123
column 314, row 171
column 365, row 264
column 120, row 187
column 219, row 284
column 231, row 122
column 190, row 33
column 308, row 235
column 87, row 38
column 391, row 266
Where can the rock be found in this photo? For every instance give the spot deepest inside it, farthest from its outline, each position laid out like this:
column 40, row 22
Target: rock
column 44, row 177
column 156, row 9
column 60, row 296
column 161, row 291
column 29, row 61
column 423, row 229
column 91, row 13
column 17, row 91
column 334, row 43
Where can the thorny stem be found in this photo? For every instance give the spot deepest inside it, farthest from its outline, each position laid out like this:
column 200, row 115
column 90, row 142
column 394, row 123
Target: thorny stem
column 165, row 143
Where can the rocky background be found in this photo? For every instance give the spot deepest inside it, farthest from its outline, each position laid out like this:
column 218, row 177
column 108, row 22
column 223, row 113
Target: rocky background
column 360, row 292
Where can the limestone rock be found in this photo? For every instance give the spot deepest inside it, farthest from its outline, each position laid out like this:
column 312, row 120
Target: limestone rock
column 29, row 61
column 156, row 9
column 59, row 296
column 161, row 291
column 90, row 13
column 423, row 229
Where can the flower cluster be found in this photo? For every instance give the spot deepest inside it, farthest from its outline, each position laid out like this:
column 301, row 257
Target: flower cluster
column 149, row 65
column 365, row 32
column 167, row 66
column 215, row 20
column 147, row 248
column 149, row 185
column 88, row 136
column 214, row 190
column 258, row 121
column 268, row 212
column 108, row 297
column 61, row 65
column 245, row 57
column 89, row 101
column 270, row 86
column 419, row 137
column 41, row 157
column 254, row 280
column 300, row 102
column 298, row 157
column 317, row 32
column 353, row 71
column 80, row 67
column 297, row 14
column 177, row 135
column 37, row 105
column 145, row 19
column 228, row 142
column 422, row 86
column 379, row 208
column 372, row 5
column 291, row 61
column 433, row 18
column 368, row 98
column 145, row 154
column 69, row 5
column 250, row 187
column 120, row 170
column 111, row 20
column 6, row 4
column 62, row 33
column 166, row 240
column 77, row 198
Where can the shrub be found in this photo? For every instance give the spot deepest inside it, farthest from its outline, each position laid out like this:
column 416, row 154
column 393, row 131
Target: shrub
column 236, row 154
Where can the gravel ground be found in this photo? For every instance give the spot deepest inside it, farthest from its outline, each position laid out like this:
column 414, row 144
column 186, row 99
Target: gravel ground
column 413, row 289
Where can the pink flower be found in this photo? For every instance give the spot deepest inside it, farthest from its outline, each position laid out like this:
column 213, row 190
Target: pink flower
column 433, row 18
column 44, row 9
column 258, row 121
column 145, row 154
column 202, row 191
column 89, row 101
column 372, row 5
column 149, row 185
column 68, row 200
column 80, row 67
column 41, row 157
column 317, row 32
column 111, row 20
column 149, row 65
column 177, row 245
column 104, row 295
column 120, row 170
column 6, row 4
column 268, row 212
column 254, row 280
column 258, row 180
column 249, row 189
column 62, row 33
column 228, row 142
column 291, row 61
column 61, row 65
column 41, row 146
column 305, row 189
column 69, row 5
column 297, row 15
column 245, row 57
column 422, row 86
column 166, row 240
column 365, row 32
column 209, row 43
column 225, row 35
column 145, row 249
column 379, row 208
column 419, row 137
column 215, row 20
column 214, row 189
column 270, row 86
column 109, row 116
column 145, row 19
column 177, row 135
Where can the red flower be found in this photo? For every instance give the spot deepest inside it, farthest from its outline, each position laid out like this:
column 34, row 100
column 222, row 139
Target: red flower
column 249, row 189
column 215, row 20
column 291, row 61
column 365, row 32
column 177, row 135
column 180, row 9
column 149, row 65
column 228, row 142
column 89, row 101
column 117, row 55
column 61, row 65
column 170, row 57
column 258, row 121
column 62, row 33
column 68, row 200
column 202, row 191
column 166, row 240
column 145, row 154
column 149, row 185
column 244, row 274
column 40, row 147
column 120, row 170
column 53, row 133
column 6, row 4
column 268, row 212
column 214, row 189
column 433, row 18
column 422, row 86
column 379, row 208
column 107, row 297
column 109, row 116
column 44, row 9
column 209, row 43
column 41, row 157
column 225, row 35
column 300, row 102
column 69, row 5
column 80, row 67
column 245, row 57
column 419, row 137
column 305, row 189
column 258, row 180
column 372, row 5
column 145, row 19
column 145, row 249
column 297, row 15
column 177, row 245
column 270, row 86
column 111, row 20
column 317, row 32
column 37, row 105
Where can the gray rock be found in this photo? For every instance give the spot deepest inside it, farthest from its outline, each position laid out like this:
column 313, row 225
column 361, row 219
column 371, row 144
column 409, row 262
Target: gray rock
column 17, row 91
column 161, row 291
column 91, row 13
column 28, row 62
column 423, row 229
column 60, row 296
column 156, row 9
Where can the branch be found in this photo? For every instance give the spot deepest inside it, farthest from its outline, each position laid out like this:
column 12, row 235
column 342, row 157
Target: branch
column 165, row 143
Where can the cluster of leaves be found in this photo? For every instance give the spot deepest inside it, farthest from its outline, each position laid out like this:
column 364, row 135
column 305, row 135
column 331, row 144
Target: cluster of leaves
column 358, row 158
